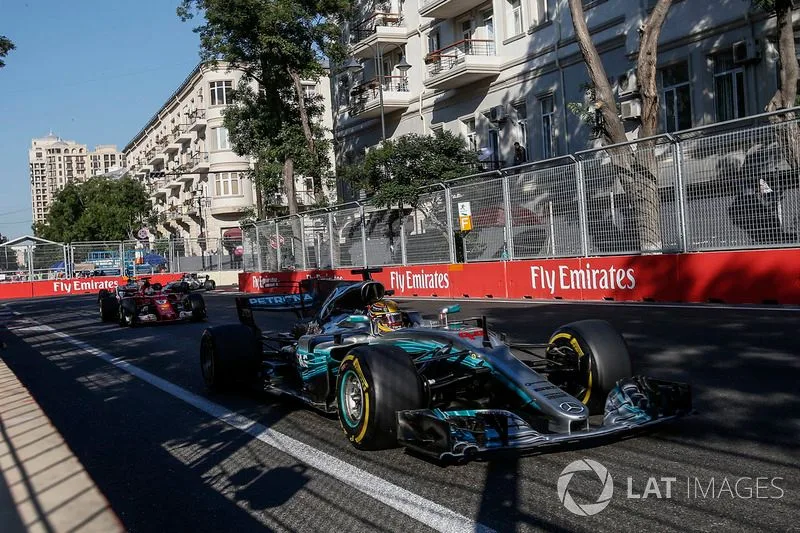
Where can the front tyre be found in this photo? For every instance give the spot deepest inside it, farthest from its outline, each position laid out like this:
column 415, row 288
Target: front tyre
column 374, row 383
column 594, row 357
column 210, row 285
column 197, row 305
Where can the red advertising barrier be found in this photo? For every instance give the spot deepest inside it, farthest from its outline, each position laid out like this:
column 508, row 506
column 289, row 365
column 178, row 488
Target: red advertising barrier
column 753, row 276
column 67, row 287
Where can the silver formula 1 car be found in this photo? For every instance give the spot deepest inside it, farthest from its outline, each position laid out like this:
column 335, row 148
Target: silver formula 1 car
column 442, row 386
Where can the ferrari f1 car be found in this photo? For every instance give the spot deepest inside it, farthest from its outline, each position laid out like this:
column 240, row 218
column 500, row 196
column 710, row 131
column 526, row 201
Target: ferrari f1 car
column 140, row 302
column 191, row 282
column 443, row 387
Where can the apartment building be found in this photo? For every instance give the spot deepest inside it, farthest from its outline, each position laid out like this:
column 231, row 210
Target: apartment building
column 198, row 185
column 55, row 162
column 504, row 71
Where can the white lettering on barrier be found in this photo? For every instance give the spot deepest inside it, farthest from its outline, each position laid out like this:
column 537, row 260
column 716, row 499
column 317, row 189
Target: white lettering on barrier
column 586, row 278
column 264, row 283
column 78, row 285
column 407, row 280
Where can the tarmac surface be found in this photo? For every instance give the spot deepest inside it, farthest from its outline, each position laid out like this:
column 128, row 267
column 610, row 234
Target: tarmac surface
column 167, row 456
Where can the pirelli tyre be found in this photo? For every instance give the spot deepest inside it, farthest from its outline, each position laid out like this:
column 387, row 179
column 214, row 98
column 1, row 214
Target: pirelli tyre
column 594, row 357
column 229, row 357
column 374, row 383
column 197, row 305
column 108, row 306
column 209, row 285
column 127, row 313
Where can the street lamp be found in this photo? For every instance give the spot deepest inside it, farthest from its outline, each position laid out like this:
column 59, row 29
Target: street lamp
column 353, row 66
column 199, row 196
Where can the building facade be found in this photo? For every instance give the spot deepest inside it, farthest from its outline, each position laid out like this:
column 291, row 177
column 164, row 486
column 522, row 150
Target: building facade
column 505, row 71
column 198, row 186
column 55, row 162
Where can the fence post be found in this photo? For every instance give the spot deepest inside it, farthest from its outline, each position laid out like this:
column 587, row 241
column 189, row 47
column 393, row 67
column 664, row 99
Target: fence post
column 257, row 248
column 509, row 240
column 680, row 198
column 171, row 255
column 303, row 247
column 122, row 259
column 30, row 263
column 277, row 245
column 403, row 251
column 582, row 211
column 451, row 236
column 66, row 261
column 331, row 237
column 363, row 234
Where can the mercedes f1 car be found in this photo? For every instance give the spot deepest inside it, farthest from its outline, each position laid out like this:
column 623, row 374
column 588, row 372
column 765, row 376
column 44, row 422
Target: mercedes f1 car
column 140, row 302
column 442, row 386
column 191, row 282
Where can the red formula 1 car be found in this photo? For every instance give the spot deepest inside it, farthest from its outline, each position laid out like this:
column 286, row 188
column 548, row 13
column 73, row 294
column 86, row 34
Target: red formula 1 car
column 140, row 302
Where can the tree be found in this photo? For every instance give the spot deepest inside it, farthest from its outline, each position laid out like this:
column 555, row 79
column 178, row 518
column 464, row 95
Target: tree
column 639, row 174
column 277, row 43
column 5, row 47
column 100, row 209
column 394, row 172
column 8, row 257
column 786, row 95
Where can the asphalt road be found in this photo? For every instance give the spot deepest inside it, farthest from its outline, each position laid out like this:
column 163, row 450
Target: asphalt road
column 167, row 462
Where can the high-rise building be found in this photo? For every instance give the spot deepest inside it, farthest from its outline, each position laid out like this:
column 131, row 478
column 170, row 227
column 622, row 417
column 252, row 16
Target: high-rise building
column 55, row 162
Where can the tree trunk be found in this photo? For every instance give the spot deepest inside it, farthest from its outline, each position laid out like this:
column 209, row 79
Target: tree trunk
column 785, row 97
column 288, row 185
column 259, row 202
column 646, row 200
column 307, row 132
column 612, row 125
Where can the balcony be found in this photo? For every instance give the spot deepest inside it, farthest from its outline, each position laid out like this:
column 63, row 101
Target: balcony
column 172, row 145
column 153, row 156
column 184, row 134
column 380, row 28
column 365, row 100
column 199, row 162
column 445, row 9
column 462, row 63
column 197, row 120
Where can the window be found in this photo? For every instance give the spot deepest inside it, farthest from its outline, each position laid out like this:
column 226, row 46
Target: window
column 466, row 29
column 226, row 184
column 729, row 90
column 433, row 41
column 223, row 143
column 488, row 24
column 309, row 92
column 220, row 92
column 472, row 138
column 548, row 123
column 522, row 125
column 676, row 97
column 515, row 25
column 539, row 13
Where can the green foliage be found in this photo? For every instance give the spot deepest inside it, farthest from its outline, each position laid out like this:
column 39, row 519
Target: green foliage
column 393, row 173
column 8, row 257
column 100, row 209
column 272, row 40
column 5, row 47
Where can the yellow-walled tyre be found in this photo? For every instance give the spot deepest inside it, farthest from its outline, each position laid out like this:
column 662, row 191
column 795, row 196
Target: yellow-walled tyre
column 375, row 382
column 596, row 356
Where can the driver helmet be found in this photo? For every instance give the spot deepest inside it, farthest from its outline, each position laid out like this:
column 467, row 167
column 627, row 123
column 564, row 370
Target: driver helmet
column 386, row 316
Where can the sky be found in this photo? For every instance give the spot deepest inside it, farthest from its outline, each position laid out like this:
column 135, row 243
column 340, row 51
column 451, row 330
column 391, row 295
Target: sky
column 92, row 71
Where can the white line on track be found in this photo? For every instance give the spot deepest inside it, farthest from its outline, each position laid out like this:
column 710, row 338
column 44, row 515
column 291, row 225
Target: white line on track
column 429, row 513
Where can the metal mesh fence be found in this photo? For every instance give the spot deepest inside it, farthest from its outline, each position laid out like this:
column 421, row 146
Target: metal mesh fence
column 347, row 236
column 484, row 199
column 740, row 188
column 544, row 213
column 426, row 230
column 733, row 185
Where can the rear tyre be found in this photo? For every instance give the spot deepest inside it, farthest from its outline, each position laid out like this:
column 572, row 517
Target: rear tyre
column 374, row 383
column 108, row 308
column 229, row 356
column 197, row 305
column 210, row 285
column 598, row 357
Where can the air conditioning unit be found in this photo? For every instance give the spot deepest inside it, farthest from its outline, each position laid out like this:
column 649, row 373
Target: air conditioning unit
column 627, row 84
column 745, row 52
column 632, row 109
column 498, row 113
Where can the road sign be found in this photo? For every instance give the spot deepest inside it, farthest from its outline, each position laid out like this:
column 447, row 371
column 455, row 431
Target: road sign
column 464, row 216
column 274, row 243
